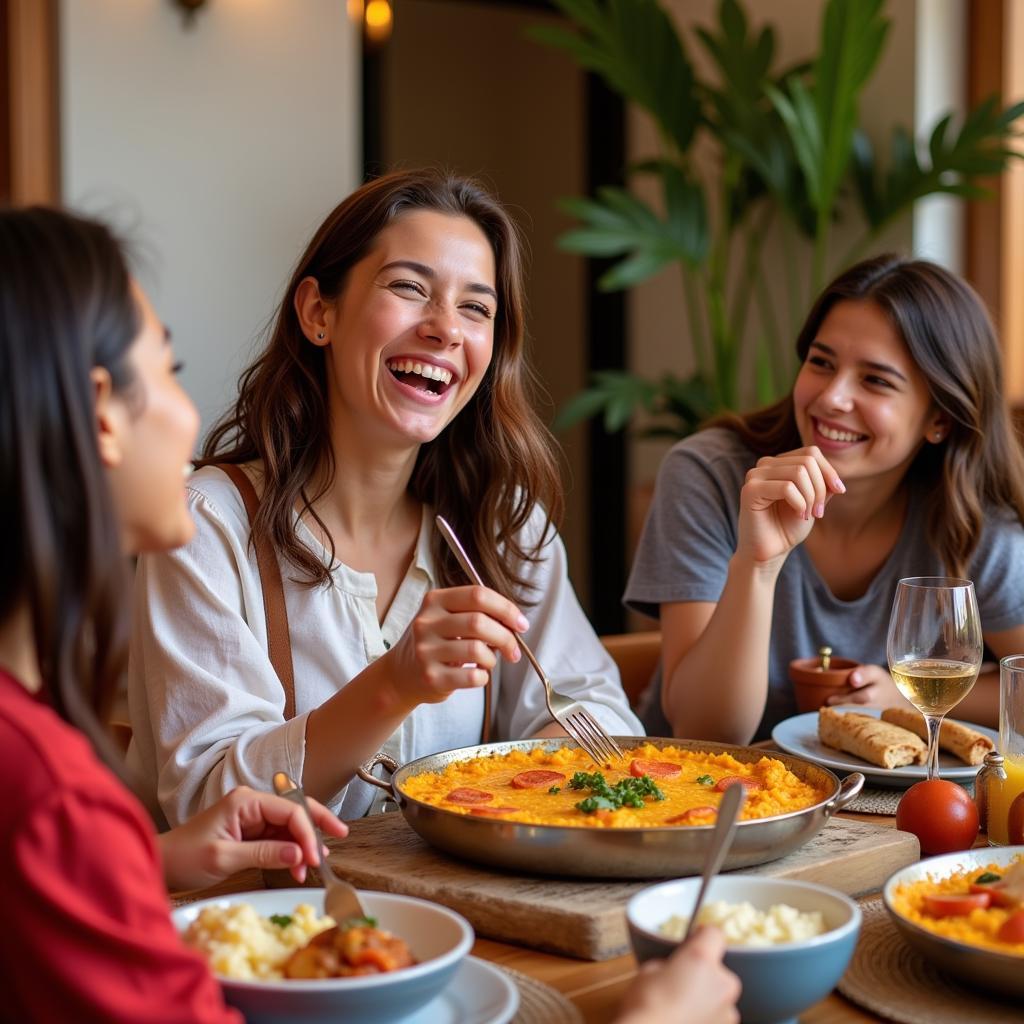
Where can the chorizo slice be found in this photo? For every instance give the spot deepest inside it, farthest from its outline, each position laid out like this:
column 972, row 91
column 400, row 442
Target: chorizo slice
column 537, row 778
column 694, row 816
column 655, row 769
column 467, row 796
column 751, row 785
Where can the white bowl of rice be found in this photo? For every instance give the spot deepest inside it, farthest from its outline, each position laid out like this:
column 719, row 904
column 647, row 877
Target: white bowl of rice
column 247, row 937
column 788, row 941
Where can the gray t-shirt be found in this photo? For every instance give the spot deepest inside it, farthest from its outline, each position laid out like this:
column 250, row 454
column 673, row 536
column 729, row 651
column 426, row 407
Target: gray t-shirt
column 691, row 533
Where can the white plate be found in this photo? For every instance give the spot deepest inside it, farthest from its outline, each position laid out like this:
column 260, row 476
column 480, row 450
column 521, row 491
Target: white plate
column 799, row 735
column 480, row 993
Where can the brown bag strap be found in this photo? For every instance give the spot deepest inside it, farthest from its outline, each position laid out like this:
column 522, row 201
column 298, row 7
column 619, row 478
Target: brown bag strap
column 279, row 642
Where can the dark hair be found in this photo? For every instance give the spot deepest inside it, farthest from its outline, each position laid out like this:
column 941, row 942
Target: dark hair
column 489, row 468
column 980, row 465
column 66, row 306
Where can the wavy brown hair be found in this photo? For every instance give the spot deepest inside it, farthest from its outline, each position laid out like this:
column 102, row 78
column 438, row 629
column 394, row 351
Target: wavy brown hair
column 66, row 306
column 486, row 471
column 979, row 467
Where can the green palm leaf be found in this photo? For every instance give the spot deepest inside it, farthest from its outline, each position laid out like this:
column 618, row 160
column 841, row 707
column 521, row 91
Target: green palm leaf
column 634, row 46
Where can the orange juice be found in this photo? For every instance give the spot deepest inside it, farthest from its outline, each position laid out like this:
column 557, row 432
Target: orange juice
column 1001, row 794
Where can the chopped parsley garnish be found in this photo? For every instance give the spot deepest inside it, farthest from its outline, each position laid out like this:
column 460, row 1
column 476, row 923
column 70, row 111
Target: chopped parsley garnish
column 705, row 780
column 987, row 878
column 628, row 792
column 357, row 922
column 281, row 920
column 555, row 789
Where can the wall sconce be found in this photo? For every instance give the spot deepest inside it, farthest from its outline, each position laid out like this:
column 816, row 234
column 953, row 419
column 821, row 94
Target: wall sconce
column 378, row 20
column 189, row 9
column 376, row 16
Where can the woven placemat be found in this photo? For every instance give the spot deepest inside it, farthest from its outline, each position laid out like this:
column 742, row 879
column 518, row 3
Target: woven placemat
column 540, row 1003
column 875, row 800
column 890, row 978
column 884, row 800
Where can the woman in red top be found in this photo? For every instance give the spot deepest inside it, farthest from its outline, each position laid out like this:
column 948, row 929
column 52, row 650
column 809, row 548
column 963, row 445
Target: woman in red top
column 95, row 434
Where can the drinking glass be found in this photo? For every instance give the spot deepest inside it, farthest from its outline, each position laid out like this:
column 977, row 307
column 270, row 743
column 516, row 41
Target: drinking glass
column 934, row 648
column 1005, row 787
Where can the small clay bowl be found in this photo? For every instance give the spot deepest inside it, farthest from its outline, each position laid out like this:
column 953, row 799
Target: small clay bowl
column 813, row 685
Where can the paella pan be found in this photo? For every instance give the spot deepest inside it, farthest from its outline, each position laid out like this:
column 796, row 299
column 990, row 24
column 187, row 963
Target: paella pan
column 629, row 852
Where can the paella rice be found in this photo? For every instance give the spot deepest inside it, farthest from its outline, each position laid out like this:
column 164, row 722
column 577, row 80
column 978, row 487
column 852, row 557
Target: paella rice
column 651, row 787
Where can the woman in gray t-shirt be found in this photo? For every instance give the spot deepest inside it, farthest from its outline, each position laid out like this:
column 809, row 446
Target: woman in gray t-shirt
column 775, row 532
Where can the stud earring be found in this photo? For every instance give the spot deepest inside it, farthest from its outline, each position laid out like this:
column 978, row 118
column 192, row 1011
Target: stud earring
column 320, row 337
column 938, row 435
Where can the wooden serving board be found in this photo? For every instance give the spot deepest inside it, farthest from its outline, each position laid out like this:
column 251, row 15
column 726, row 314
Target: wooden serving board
column 583, row 918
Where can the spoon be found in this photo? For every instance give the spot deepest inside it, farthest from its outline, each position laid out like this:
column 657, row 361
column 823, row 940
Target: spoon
column 341, row 901
column 721, row 840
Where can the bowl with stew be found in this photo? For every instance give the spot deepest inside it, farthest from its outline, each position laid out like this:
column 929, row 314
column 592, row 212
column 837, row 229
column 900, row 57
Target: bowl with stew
column 805, row 935
column 244, row 937
column 962, row 912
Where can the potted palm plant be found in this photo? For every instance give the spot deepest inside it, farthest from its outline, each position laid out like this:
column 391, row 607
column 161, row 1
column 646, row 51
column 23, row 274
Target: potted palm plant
column 788, row 153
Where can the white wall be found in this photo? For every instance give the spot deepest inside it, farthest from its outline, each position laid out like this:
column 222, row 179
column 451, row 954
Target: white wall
column 217, row 147
column 941, row 86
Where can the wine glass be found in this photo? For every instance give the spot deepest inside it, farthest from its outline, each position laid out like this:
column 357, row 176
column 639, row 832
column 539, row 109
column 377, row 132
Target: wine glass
column 934, row 648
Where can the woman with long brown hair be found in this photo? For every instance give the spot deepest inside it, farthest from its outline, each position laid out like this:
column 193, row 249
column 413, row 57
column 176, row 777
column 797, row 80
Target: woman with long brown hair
column 394, row 386
column 774, row 533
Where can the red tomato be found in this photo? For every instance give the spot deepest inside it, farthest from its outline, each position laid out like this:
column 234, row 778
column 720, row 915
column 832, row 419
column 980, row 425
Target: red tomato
column 694, row 816
column 656, row 769
column 492, row 812
column 955, row 905
column 1012, row 929
column 465, row 795
column 941, row 814
column 996, row 896
column 732, row 780
column 1015, row 820
column 537, row 779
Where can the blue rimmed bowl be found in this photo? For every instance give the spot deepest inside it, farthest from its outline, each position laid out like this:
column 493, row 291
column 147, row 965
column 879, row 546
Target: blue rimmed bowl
column 779, row 981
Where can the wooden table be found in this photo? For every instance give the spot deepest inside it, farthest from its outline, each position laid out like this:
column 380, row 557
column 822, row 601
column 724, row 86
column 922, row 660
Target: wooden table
column 596, row 988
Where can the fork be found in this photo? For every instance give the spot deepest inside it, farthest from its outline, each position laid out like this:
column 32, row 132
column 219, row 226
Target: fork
column 341, row 901
column 570, row 714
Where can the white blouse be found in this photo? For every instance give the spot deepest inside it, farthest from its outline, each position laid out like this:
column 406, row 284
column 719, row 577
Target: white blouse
column 207, row 708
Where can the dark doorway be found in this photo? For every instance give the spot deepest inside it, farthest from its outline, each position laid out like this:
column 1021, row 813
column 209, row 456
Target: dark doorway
column 460, row 85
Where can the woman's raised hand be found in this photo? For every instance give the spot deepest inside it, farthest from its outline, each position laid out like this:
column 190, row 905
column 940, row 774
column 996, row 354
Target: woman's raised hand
column 780, row 500
column 454, row 642
column 870, row 684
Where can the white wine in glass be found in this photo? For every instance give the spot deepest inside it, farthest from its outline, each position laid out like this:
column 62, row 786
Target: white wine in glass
column 934, row 648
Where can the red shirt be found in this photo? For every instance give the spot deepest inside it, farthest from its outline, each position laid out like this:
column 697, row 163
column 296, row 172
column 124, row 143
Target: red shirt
column 86, row 931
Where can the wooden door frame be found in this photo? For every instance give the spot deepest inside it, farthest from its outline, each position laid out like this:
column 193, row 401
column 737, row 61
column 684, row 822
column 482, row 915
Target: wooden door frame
column 30, row 123
column 994, row 257
column 605, row 326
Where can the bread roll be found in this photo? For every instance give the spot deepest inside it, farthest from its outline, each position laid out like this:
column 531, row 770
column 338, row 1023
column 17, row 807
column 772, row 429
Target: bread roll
column 881, row 743
column 960, row 740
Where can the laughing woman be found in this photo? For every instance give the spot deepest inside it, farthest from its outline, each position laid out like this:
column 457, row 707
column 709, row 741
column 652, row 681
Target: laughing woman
column 393, row 387
column 773, row 533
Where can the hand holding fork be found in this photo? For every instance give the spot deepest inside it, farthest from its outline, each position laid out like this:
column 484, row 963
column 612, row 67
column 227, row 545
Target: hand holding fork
column 570, row 714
